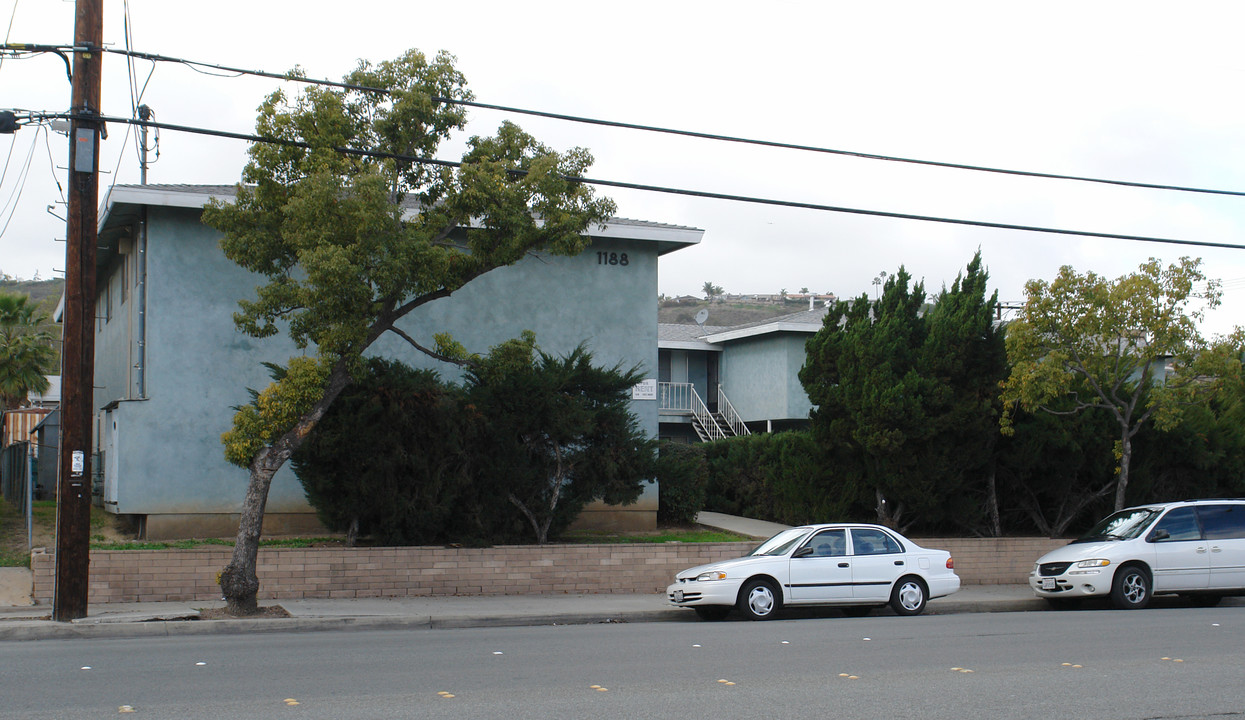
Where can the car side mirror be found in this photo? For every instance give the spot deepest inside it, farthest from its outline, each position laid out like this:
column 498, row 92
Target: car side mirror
column 803, row 552
column 1159, row 535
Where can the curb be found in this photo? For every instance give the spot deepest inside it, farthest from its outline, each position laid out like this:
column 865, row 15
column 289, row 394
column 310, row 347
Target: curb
column 137, row 626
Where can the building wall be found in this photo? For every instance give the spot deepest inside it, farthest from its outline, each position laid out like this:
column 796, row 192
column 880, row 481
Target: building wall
column 168, row 457
column 760, row 377
column 287, row 573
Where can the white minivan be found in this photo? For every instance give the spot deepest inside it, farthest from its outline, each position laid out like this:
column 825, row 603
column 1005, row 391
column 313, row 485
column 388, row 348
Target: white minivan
column 1194, row 548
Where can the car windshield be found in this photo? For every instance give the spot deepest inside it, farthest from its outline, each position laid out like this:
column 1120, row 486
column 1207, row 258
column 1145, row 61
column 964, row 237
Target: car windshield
column 782, row 543
column 1123, row 525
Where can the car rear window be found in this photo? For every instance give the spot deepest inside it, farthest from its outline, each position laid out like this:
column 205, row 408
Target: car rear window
column 867, row 541
column 1222, row 522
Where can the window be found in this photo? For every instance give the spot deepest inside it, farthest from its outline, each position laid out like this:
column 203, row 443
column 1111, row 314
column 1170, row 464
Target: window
column 1222, row 522
column 1180, row 524
column 867, row 541
column 829, row 543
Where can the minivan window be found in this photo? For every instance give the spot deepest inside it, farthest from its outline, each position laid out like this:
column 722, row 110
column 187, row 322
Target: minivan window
column 1180, row 524
column 1123, row 525
column 1222, row 522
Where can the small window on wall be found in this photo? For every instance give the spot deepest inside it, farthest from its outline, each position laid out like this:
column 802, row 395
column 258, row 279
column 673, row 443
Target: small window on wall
column 103, row 305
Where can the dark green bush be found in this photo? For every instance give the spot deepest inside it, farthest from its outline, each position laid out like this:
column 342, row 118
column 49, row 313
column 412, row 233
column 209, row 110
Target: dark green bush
column 392, row 460
column 683, row 482
column 781, row 477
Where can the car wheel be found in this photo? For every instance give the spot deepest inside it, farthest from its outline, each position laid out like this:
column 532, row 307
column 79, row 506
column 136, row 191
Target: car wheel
column 1063, row 603
column 1205, row 600
column 1131, row 588
column 908, row 597
column 857, row 610
column 758, row 600
column 713, row 612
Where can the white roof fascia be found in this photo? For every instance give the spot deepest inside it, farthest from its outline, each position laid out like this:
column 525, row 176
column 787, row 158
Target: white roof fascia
column 154, row 195
column 762, row 330
column 687, row 345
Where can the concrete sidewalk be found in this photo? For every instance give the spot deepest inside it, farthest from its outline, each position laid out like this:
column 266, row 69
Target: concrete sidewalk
column 183, row 618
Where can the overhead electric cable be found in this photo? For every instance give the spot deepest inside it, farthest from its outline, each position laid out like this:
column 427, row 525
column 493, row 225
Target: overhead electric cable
column 684, row 133
column 677, row 191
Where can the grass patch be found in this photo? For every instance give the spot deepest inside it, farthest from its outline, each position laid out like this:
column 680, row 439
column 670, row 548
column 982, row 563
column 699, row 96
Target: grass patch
column 669, row 535
column 208, row 542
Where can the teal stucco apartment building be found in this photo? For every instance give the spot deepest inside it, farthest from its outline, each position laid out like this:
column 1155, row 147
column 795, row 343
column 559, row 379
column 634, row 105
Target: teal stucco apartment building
column 170, row 365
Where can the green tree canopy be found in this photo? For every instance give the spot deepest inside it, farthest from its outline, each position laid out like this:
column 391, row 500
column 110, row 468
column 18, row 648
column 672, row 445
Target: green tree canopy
column 862, row 373
column 351, row 231
column 27, row 352
column 561, row 432
column 964, row 355
column 1130, row 347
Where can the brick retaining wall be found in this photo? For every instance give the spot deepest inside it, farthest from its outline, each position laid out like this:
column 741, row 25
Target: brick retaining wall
column 289, row 573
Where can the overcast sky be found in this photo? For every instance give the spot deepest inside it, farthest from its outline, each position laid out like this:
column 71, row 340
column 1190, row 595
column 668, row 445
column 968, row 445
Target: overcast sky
column 1140, row 91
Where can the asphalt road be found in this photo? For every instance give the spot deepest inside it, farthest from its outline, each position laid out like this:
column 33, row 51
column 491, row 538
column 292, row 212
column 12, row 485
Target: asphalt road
column 1101, row 664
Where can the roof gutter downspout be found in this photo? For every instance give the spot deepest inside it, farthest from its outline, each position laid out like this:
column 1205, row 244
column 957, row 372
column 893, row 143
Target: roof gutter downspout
column 141, row 365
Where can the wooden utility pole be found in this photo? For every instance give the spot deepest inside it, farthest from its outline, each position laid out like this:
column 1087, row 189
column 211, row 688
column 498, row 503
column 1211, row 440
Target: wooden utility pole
column 73, row 500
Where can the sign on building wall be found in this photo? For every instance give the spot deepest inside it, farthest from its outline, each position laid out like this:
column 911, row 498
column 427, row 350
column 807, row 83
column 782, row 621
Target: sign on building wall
column 644, row 390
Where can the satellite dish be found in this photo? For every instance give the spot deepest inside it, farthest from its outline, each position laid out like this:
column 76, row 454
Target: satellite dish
column 701, row 317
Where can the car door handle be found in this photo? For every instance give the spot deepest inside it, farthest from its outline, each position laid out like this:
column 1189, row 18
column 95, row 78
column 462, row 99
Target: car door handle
column 1216, row 548
column 899, row 562
column 844, row 565
column 1201, row 551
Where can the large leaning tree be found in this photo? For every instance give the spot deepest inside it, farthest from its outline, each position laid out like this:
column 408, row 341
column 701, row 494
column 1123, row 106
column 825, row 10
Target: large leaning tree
column 352, row 229
column 1130, row 347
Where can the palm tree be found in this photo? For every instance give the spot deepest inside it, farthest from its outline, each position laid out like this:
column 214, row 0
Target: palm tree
column 26, row 351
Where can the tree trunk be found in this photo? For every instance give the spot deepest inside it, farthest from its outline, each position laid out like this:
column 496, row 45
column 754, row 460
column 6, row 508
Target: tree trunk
column 1126, row 457
column 239, row 582
column 992, row 504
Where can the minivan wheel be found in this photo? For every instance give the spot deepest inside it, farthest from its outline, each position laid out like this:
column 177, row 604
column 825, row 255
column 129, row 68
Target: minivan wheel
column 758, row 600
column 1131, row 588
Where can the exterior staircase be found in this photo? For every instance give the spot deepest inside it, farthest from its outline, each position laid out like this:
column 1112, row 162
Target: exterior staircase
column 709, row 426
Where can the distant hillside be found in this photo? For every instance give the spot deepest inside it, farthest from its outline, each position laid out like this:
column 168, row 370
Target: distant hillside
column 44, row 292
column 724, row 313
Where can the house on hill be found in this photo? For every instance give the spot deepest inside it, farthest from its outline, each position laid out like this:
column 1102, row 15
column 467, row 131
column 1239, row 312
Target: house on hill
column 170, row 365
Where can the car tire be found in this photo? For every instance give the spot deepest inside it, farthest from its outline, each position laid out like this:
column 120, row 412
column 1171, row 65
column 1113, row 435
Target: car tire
column 857, row 610
column 1130, row 590
column 713, row 612
column 909, row 596
column 758, row 600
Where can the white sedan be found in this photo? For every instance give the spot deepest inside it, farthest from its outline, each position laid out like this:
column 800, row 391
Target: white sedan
column 858, row 567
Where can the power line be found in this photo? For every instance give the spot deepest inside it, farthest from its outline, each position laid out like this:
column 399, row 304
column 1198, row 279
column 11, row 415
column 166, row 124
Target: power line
column 194, row 64
column 678, row 191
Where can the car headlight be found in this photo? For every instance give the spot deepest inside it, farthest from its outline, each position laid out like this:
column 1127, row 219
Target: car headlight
column 1097, row 562
column 711, row 575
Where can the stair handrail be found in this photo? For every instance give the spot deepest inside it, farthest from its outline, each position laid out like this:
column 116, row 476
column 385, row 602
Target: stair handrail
column 730, row 415
column 701, row 413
